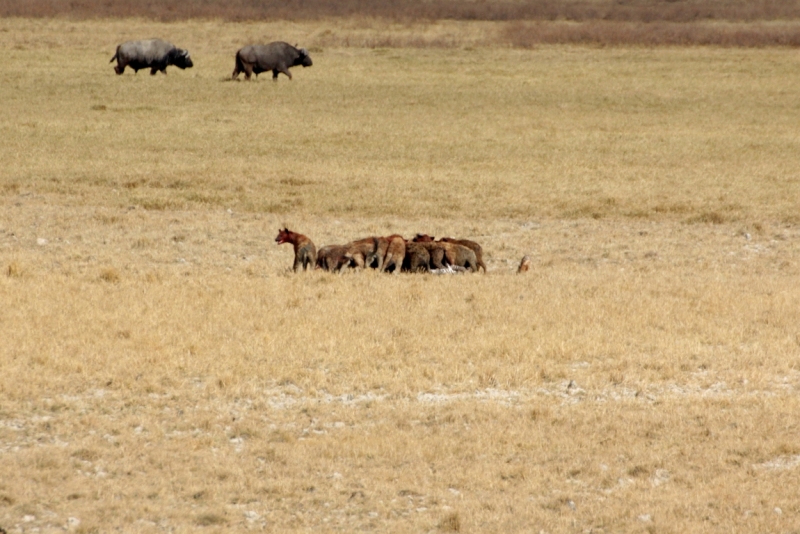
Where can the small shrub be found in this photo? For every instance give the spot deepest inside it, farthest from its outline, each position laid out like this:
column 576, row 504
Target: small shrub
column 450, row 523
column 208, row 520
column 14, row 270
column 110, row 275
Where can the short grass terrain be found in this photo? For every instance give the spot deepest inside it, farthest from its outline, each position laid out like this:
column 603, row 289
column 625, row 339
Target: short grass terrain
column 164, row 370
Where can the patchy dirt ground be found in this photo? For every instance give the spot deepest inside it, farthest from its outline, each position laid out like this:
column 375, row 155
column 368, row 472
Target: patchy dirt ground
column 165, row 371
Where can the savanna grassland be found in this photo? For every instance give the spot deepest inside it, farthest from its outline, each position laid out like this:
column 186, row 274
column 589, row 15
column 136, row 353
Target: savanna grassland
column 163, row 370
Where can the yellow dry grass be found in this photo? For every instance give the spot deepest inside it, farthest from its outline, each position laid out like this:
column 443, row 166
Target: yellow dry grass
column 163, row 371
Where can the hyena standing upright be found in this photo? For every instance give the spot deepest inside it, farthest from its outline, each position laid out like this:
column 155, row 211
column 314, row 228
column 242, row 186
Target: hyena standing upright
column 305, row 253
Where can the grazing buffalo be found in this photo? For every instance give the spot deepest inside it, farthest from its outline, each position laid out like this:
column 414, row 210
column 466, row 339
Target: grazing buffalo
column 277, row 57
column 153, row 54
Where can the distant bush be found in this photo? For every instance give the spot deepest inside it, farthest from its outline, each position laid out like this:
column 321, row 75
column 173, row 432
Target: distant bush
column 604, row 33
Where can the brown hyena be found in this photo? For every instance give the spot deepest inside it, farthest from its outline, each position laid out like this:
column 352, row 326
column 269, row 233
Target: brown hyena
column 395, row 253
column 435, row 253
column 460, row 256
column 445, row 253
column 475, row 247
column 332, row 258
column 305, row 253
column 365, row 252
column 417, row 258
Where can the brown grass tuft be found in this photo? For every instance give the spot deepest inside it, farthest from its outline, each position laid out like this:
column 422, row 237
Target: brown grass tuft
column 524, row 264
column 210, row 520
column 450, row 523
column 110, row 275
column 14, row 270
column 708, row 217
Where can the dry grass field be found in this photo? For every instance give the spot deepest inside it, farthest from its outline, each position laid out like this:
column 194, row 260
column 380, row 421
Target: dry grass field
column 163, row 370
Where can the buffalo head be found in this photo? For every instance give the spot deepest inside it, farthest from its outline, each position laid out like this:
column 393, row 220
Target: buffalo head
column 304, row 59
column 180, row 58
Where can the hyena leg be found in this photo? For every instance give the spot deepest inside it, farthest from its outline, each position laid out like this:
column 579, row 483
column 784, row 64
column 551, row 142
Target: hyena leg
column 380, row 261
column 398, row 263
column 309, row 260
column 436, row 259
column 358, row 259
column 392, row 262
column 385, row 263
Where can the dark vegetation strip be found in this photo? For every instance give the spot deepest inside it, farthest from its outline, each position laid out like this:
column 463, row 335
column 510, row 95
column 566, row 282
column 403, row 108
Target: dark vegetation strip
column 528, row 35
column 490, row 10
column 530, row 22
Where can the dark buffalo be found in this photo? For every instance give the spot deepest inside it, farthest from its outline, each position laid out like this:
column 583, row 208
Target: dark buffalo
column 153, row 54
column 277, row 57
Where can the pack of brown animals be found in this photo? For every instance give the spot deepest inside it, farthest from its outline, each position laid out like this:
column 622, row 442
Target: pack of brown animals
column 392, row 254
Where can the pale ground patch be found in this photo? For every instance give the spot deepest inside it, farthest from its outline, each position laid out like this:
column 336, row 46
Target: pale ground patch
column 639, row 367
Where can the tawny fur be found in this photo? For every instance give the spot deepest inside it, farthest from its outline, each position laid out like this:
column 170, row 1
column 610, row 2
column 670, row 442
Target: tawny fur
column 332, row 258
column 460, row 256
column 443, row 253
column 305, row 253
column 524, row 265
column 435, row 252
column 365, row 251
column 417, row 258
column 475, row 247
column 395, row 253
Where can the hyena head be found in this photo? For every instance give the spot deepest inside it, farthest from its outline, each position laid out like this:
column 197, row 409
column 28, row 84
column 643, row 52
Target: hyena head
column 285, row 236
column 423, row 238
